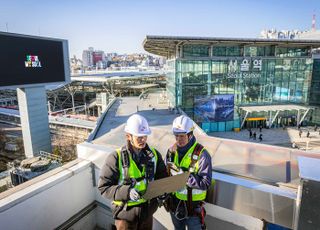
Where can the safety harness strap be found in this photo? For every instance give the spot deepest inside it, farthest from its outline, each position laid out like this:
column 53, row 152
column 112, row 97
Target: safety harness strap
column 150, row 166
column 195, row 155
column 125, row 165
column 194, row 159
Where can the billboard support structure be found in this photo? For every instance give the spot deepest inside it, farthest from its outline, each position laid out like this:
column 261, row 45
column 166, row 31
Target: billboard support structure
column 34, row 120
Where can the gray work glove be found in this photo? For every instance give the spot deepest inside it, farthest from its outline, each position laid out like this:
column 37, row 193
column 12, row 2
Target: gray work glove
column 134, row 195
column 174, row 172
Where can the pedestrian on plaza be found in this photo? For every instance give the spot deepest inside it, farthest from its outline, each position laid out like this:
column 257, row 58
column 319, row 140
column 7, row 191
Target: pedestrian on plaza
column 294, row 145
column 250, row 133
column 315, row 128
column 186, row 206
column 300, row 133
column 260, row 137
column 125, row 175
column 308, row 134
column 254, row 135
column 260, row 127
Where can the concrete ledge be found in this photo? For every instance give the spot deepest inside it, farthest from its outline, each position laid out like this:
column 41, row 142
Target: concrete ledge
column 41, row 183
column 96, row 128
column 94, row 153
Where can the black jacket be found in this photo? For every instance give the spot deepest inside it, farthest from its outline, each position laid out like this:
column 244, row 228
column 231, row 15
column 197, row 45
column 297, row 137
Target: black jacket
column 109, row 188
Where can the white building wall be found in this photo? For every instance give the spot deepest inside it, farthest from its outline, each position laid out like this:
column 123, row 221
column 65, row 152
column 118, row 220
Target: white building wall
column 97, row 155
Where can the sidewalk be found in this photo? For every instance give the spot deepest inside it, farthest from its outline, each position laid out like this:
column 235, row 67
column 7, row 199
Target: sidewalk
column 278, row 137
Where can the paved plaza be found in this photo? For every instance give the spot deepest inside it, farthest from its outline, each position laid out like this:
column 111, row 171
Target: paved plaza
column 278, row 136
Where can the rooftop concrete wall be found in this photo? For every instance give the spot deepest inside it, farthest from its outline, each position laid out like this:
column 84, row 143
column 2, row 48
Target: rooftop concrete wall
column 49, row 200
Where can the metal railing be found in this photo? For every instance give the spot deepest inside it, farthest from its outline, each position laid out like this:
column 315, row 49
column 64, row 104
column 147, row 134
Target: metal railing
column 51, row 156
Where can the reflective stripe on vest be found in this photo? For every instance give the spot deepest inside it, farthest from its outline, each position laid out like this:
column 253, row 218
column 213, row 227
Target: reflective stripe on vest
column 135, row 173
column 197, row 194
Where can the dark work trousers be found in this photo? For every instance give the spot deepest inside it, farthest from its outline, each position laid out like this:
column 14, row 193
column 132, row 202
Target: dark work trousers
column 192, row 223
column 145, row 224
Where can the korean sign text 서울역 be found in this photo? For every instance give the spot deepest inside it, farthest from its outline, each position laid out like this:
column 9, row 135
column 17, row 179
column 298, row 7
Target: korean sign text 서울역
column 245, row 68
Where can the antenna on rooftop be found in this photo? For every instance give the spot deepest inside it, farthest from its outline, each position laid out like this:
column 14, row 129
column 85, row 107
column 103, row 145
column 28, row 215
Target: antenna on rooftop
column 314, row 22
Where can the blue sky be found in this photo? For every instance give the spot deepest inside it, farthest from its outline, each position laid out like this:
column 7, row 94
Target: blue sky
column 120, row 26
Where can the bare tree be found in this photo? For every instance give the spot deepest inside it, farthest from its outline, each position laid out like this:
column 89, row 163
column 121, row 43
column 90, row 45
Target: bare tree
column 66, row 148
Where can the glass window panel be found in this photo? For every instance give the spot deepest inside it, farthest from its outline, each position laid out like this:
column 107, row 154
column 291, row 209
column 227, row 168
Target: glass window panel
column 291, row 52
column 218, row 51
column 286, row 64
column 271, row 66
column 215, row 67
column 198, row 66
column 285, row 77
column 195, row 51
column 281, row 51
column 300, row 75
column 233, row 51
column 223, row 67
column 278, row 76
column 279, row 65
column 309, row 63
column 302, row 64
column 250, row 51
column 299, row 92
column 205, row 66
column 269, row 50
column 260, row 51
column 292, row 87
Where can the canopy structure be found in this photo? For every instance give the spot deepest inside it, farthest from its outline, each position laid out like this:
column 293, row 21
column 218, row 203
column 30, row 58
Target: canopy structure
column 302, row 111
column 166, row 45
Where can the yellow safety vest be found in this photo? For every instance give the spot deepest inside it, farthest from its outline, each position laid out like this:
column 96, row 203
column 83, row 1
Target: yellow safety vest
column 135, row 173
column 197, row 194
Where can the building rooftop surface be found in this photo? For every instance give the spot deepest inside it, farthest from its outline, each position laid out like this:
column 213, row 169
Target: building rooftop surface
column 255, row 181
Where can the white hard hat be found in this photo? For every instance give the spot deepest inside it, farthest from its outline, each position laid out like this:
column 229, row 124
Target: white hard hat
column 137, row 125
column 182, row 124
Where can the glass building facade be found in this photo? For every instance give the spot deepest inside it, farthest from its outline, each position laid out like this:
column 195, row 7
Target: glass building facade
column 255, row 73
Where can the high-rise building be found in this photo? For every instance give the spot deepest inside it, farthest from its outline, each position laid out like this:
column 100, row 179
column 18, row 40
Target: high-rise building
column 98, row 56
column 87, row 58
column 91, row 57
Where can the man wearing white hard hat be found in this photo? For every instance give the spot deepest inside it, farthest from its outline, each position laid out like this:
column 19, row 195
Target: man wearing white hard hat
column 186, row 206
column 125, row 175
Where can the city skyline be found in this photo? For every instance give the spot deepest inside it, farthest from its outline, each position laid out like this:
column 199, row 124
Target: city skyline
column 121, row 26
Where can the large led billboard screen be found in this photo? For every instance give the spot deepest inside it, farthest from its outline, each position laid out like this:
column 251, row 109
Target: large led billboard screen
column 214, row 108
column 28, row 60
